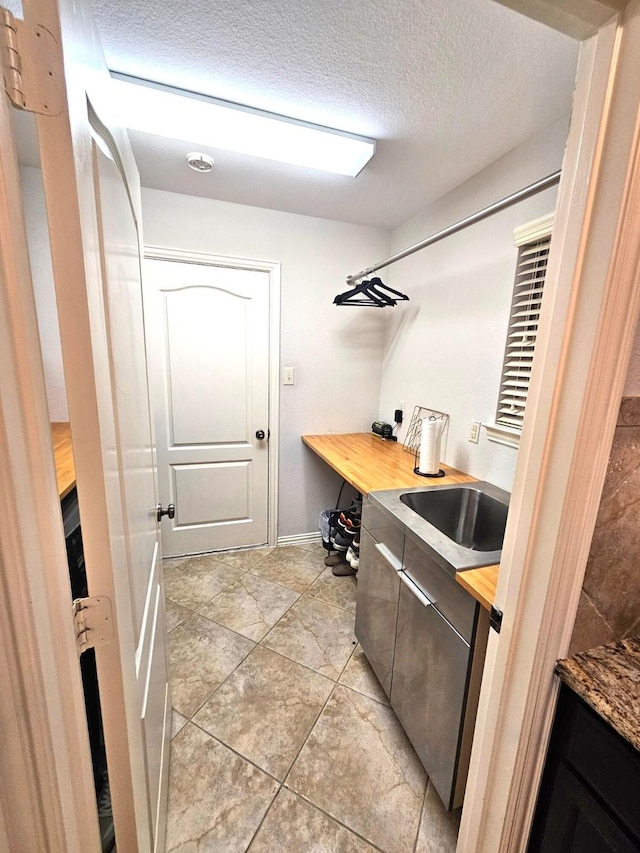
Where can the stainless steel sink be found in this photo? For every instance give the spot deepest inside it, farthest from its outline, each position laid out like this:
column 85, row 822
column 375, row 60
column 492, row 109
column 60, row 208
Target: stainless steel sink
column 462, row 526
column 468, row 516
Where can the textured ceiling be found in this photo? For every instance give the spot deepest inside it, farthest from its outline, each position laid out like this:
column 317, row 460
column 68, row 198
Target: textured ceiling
column 445, row 86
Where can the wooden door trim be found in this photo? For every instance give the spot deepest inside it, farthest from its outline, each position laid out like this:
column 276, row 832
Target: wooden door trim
column 587, row 332
column 578, row 20
column 47, row 799
column 160, row 253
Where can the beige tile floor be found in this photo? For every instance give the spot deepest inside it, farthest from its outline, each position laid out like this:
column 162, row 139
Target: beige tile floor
column 283, row 740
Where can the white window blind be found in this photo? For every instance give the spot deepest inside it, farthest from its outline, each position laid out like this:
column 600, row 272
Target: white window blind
column 523, row 329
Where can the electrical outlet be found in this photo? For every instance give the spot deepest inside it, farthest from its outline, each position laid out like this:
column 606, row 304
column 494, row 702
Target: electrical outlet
column 474, row 432
column 288, row 376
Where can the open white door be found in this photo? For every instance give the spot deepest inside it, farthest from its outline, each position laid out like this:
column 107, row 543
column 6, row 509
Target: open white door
column 92, row 199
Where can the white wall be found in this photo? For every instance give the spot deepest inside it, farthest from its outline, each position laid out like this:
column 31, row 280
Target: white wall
column 336, row 352
column 444, row 348
column 43, row 286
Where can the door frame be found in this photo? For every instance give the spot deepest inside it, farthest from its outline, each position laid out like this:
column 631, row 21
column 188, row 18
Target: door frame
column 507, row 758
column 587, row 328
column 47, row 798
column 160, row 253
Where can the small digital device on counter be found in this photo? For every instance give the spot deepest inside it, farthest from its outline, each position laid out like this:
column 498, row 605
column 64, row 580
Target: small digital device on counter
column 382, row 429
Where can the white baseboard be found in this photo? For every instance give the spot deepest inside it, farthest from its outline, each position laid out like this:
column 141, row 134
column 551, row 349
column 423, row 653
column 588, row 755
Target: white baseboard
column 300, row 539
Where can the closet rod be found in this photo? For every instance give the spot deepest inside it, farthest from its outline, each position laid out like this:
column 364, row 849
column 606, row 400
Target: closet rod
column 496, row 207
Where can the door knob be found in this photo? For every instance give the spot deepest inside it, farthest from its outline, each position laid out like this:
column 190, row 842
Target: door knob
column 170, row 511
column 260, row 434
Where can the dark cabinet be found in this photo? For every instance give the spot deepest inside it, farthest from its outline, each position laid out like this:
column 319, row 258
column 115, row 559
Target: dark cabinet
column 589, row 800
column 78, row 582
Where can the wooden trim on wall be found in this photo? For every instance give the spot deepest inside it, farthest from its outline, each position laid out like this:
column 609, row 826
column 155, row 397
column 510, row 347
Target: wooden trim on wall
column 588, row 323
column 535, row 230
column 47, row 799
column 576, row 19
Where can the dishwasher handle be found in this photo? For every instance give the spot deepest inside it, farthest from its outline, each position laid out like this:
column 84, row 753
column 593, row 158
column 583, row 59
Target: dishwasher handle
column 396, row 565
column 388, row 555
column 415, row 589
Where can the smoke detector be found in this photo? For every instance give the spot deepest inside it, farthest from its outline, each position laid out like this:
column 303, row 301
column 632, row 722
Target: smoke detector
column 199, row 162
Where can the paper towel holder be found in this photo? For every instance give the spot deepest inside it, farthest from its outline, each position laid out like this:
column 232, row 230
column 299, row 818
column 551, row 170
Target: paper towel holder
column 414, row 431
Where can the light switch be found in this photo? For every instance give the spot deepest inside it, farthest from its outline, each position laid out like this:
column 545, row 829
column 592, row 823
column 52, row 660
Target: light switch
column 288, row 376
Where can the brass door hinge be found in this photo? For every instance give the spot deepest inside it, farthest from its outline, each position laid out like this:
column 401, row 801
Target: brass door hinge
column 31, row 66
column 93, row 622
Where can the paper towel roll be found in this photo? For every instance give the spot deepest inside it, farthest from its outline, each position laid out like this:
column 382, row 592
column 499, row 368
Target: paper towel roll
column 429, row 447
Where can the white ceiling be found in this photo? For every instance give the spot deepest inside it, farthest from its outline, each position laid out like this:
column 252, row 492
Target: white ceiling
column 445, row 86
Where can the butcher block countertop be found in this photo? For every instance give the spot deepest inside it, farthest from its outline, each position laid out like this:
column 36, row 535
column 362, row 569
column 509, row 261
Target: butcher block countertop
column 372, row 464
column 481, row 583
column 62, row 450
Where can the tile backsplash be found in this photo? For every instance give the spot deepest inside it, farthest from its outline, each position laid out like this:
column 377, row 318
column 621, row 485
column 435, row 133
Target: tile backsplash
column 609, row 607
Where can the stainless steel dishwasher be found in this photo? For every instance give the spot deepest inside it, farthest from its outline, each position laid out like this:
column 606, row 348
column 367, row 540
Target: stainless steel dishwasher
column 425, row 638
column 381, row 548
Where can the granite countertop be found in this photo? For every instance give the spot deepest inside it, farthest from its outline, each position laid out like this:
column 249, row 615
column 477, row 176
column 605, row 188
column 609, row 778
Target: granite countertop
column 608, row 679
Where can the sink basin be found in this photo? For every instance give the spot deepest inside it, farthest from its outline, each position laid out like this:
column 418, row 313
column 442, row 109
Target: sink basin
column 460, row 525
column 468, row 516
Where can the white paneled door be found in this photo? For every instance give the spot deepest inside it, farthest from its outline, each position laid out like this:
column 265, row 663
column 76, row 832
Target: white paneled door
column 208, row 338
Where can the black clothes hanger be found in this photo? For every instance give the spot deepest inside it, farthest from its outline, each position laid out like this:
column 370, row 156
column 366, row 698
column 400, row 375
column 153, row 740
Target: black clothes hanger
column 371, row 293
column 362, row 295
column 377, row 283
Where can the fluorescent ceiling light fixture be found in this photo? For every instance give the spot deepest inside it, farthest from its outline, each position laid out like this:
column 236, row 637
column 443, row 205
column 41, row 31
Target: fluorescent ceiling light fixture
column 178, row 114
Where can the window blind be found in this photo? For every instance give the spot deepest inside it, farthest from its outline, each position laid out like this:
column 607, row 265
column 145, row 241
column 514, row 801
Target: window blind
column 523, row 329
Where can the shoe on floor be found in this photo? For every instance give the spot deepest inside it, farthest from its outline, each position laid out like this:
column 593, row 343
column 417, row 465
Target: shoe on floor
column 334, row 559
column 342, row 570
column 353, row 556
column 340, row 542
column 347, row 523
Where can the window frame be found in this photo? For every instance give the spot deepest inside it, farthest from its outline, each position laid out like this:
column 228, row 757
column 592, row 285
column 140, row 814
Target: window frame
column 523, row 236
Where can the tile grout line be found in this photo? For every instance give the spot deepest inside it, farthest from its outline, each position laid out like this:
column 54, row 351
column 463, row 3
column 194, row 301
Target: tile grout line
column 209, row 600
column 335, row 819
column 335, row 683
column 256, row 644
column 304, row 743
column 283, row 783
column 260, row 643
column 238, row 754
column 421, row 815
column 320, row 712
